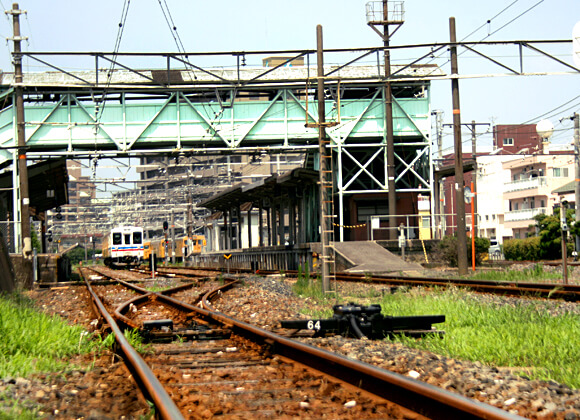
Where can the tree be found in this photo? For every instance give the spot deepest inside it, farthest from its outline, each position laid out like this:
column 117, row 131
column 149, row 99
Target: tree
column 78, row 254
column 550, row 233
column 35, row 241
column 447, row 250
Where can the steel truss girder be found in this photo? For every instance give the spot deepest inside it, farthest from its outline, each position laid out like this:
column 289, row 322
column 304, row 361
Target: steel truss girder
column 75, row 126
column 239, row 77
column 349, row 175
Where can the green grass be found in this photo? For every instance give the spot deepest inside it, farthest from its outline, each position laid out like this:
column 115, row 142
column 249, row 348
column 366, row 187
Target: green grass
column 157, row 288
column 32, row 342
column 11, row 409
column 133, row 337
column 308, row 287
column 527, row 275
column 514, row 335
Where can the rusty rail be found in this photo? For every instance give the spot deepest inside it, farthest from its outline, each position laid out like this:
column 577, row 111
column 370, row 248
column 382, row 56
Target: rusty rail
column 425, row 399
column 147, row 381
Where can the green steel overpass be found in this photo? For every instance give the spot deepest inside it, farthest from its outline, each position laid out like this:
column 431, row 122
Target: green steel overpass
column 184, row 109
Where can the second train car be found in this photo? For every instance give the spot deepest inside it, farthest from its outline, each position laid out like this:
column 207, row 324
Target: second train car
column 185, row 247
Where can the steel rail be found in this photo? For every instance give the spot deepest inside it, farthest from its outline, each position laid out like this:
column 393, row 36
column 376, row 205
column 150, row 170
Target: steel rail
column 426, row 399
column 568, row 292
column 555, row 290
column 417, row 396
column 143, row 375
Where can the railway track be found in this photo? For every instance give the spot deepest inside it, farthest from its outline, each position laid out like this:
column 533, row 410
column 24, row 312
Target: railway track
column 566, row 292
column 205, row 364
column 540, row 290
column 543, row 290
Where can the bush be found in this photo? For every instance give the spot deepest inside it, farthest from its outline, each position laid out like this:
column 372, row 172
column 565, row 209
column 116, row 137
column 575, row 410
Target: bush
column 78, row 254
column 527, row 249
column 447, row 250
column 534, row 249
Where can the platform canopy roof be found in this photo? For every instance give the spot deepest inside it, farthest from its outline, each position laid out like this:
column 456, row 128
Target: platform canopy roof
column 267, row 188
column 47, row 184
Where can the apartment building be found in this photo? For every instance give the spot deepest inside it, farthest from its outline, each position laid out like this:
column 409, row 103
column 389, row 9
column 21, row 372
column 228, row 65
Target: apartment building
column 80, row 220
column 490, row 202
column 529, row 191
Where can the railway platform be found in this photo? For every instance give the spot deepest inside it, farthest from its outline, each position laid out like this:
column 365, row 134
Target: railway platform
column 370, row 257
column 355, row 257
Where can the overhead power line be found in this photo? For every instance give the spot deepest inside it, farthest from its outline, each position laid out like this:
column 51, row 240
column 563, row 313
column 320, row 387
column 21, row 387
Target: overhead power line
column 514, row 19
column 488, row 21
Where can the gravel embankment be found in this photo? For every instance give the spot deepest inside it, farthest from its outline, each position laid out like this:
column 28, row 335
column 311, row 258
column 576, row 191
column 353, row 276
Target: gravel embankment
column 264, row 302
column 496, row 386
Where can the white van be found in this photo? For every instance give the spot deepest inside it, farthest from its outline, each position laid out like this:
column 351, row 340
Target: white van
column 494, row 248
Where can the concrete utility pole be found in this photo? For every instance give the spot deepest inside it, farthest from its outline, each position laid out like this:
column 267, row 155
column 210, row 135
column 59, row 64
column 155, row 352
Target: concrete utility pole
column 576, row 119
column 26, row 244
column 392, row 194
column 326, row 227
column 472, row 127
column 438, row 193
column 172, row 237
column 459, row 191
column 564, row 230
column 385, row 21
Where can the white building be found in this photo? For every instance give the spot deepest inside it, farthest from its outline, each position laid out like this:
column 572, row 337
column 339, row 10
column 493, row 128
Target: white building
column 513, row 189
column 491, row 177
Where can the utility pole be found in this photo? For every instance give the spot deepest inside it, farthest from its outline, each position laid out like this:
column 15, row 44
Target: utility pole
column 392, row 194
column 576, row 119
column 439, row 207
column 459, row 191
column 474, row 178
column 564, row 230
column 26, row 244
column 326, row 228
column 172, row 237
column 325, row 179
column 387, row 20
column 472, row 127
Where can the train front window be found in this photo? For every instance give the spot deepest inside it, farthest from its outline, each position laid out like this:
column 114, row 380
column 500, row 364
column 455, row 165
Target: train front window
column 137, row 237
column 127, row 238
column 117, row 238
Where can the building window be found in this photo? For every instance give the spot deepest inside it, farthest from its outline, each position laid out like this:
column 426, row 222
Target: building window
column 487, row 217
column 508, row 141
column 560, row 172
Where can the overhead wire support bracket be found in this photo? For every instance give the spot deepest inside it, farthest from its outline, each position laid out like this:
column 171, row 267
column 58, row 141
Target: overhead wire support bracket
column 324, row 123
column 302, row 54
column 56, row 68
column 491, row 59
column 188, row 63
column 115, row 62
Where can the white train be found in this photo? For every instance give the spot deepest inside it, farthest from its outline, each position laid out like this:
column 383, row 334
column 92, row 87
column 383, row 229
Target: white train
column 123, row 246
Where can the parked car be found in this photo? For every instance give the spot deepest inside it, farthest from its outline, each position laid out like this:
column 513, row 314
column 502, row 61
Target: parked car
column 494, row 248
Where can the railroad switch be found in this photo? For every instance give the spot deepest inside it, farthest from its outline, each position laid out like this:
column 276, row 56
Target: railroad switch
column 158, row 324
column 353, row 320
column 162, row 330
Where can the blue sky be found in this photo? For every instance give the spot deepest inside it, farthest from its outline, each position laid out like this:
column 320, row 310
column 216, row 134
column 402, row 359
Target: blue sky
column 251, row 25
